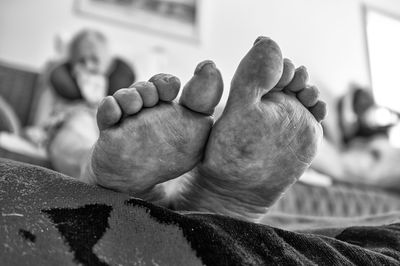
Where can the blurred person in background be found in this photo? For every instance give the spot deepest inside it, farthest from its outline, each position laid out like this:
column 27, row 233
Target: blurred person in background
column 356, row 147
column 88, row 74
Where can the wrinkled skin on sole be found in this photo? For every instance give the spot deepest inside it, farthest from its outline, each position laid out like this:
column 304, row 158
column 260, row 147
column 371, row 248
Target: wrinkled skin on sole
column 146, row 138
column 156, row 145
column 265, row 139
column 262, row 143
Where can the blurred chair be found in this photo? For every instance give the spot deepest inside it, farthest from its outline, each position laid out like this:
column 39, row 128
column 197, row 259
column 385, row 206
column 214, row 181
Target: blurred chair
column 20, row 93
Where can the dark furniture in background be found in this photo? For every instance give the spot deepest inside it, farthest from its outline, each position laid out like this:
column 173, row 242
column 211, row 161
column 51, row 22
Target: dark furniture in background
column 18, row 87
column 20, row 91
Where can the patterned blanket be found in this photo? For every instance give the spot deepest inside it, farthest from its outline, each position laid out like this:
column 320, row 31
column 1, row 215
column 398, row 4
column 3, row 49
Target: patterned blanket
column 49, row 219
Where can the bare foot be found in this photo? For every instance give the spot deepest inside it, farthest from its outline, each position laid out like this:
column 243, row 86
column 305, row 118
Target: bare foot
column 265, row 139
column 146, row 138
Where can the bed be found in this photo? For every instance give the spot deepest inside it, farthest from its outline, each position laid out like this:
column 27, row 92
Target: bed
column 51, row 219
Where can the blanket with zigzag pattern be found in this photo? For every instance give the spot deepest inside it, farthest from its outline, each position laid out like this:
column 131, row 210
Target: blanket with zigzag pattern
column 49, row 219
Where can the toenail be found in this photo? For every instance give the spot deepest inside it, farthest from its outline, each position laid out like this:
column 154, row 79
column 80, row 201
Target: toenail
column 161, row 76
column 288, row 61
column 164, row 77
column 259, row 39
column 303, row 68
column 139, row 84
column 201, row 65
column 104, row 100
column 173, row 79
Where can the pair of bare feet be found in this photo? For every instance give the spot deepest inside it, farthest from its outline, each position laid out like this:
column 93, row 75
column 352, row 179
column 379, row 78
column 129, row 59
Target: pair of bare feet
column 173, row 153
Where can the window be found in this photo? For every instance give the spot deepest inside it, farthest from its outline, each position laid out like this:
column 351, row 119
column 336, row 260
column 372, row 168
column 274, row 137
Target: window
column 383, row 40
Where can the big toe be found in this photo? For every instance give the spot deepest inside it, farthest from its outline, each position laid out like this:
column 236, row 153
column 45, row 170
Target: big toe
column 204, row 90
column 258, row 72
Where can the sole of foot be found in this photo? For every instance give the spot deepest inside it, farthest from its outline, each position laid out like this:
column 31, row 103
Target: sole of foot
column 147, row 138
column 265, row 139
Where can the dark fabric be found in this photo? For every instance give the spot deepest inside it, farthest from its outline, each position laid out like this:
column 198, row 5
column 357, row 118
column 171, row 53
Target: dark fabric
column 49, row 219
column 64, row 84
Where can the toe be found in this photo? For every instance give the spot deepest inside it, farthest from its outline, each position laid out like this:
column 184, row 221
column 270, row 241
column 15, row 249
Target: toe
column 148, row 92
column 287, row 75
column 308, row 96
column 129, row 100
column 167, row 86
column 319, row 110
column 108, row 113
column 204, row 90
column 258, row 72
column 299, row 80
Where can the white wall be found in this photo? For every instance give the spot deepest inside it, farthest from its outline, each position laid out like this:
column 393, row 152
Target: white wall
column 326, row 36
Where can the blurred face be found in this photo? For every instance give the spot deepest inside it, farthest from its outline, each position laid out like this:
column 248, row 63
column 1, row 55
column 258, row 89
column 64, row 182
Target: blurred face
column 92, row 55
